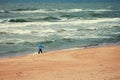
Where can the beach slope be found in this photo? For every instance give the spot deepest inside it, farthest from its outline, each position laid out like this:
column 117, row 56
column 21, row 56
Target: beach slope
column 101, row 63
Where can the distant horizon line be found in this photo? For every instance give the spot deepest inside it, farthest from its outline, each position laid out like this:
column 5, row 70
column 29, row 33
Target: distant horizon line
column 54, row 1
column 63, row 2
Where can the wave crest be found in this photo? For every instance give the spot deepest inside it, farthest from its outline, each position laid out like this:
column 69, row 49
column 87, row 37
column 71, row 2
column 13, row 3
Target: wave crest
column 24, row 9
column 45, row 10
column 47, row 18
column 18, row 20
column 4, row 11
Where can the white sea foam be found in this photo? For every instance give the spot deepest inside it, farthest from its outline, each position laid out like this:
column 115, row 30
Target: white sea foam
column 98, row 20
column 70, row 10
column 11, row 40
column 31, row 11
column 21, row 31
column 86, row 36
column 1, row 20
column 16, row 31
column 98, row 10
column 58, row 10
column 72, row 22
column 48, row 31
column 48, row 11
column 2, row 11
column 76, row 10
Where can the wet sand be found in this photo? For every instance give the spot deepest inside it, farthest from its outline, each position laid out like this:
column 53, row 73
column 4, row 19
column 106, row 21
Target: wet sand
column 102, row 63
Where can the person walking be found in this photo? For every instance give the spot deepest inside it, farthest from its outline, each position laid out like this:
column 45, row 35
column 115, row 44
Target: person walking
column 40, row 47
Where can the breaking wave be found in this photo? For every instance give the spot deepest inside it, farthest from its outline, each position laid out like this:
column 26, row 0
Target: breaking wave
column 98, row 10
column 24, row 9
column 45, row 10
column 33, row 10
column 16, row 20
column 4, row 11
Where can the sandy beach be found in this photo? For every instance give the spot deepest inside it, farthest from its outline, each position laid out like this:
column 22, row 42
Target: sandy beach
column 101, row 63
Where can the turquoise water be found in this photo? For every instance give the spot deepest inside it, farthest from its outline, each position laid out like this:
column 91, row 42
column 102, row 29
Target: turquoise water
column 57, row 25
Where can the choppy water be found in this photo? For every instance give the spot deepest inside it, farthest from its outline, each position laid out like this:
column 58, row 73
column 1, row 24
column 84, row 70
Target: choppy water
column 57, row 26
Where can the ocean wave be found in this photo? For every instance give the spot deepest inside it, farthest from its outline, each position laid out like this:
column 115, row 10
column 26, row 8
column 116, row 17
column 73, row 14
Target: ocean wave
column 3, row 20
column 64, row 39
column 58, row 10
column 93, row 21
column 68, row 16
column 69, row 10
column 49, row 18
column 70, row 22
column 105, row 13
column 2, row 33
column 24, row 42
column 10, row 41
column 87, row 29
column 15, row 31
column 45, row 10
column 98, row 10
column 33, row 10
column 43, row 32
column 35, row 43
column 62, row 18
column 4, row 11
column 18, row 20
column 24, row 9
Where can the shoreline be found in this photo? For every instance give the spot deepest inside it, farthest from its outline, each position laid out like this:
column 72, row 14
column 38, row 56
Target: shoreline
column 80, row 47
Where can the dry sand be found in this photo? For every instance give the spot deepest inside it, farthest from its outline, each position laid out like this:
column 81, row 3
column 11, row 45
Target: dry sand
column 101, row 63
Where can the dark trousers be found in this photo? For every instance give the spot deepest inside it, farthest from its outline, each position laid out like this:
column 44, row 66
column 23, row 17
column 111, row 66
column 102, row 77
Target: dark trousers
column 40, row 51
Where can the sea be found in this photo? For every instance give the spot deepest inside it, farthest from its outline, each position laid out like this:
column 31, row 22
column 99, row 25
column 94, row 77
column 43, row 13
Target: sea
column 57, row 26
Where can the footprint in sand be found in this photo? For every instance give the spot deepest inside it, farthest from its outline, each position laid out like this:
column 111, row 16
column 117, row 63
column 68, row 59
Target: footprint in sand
column 18, row 73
